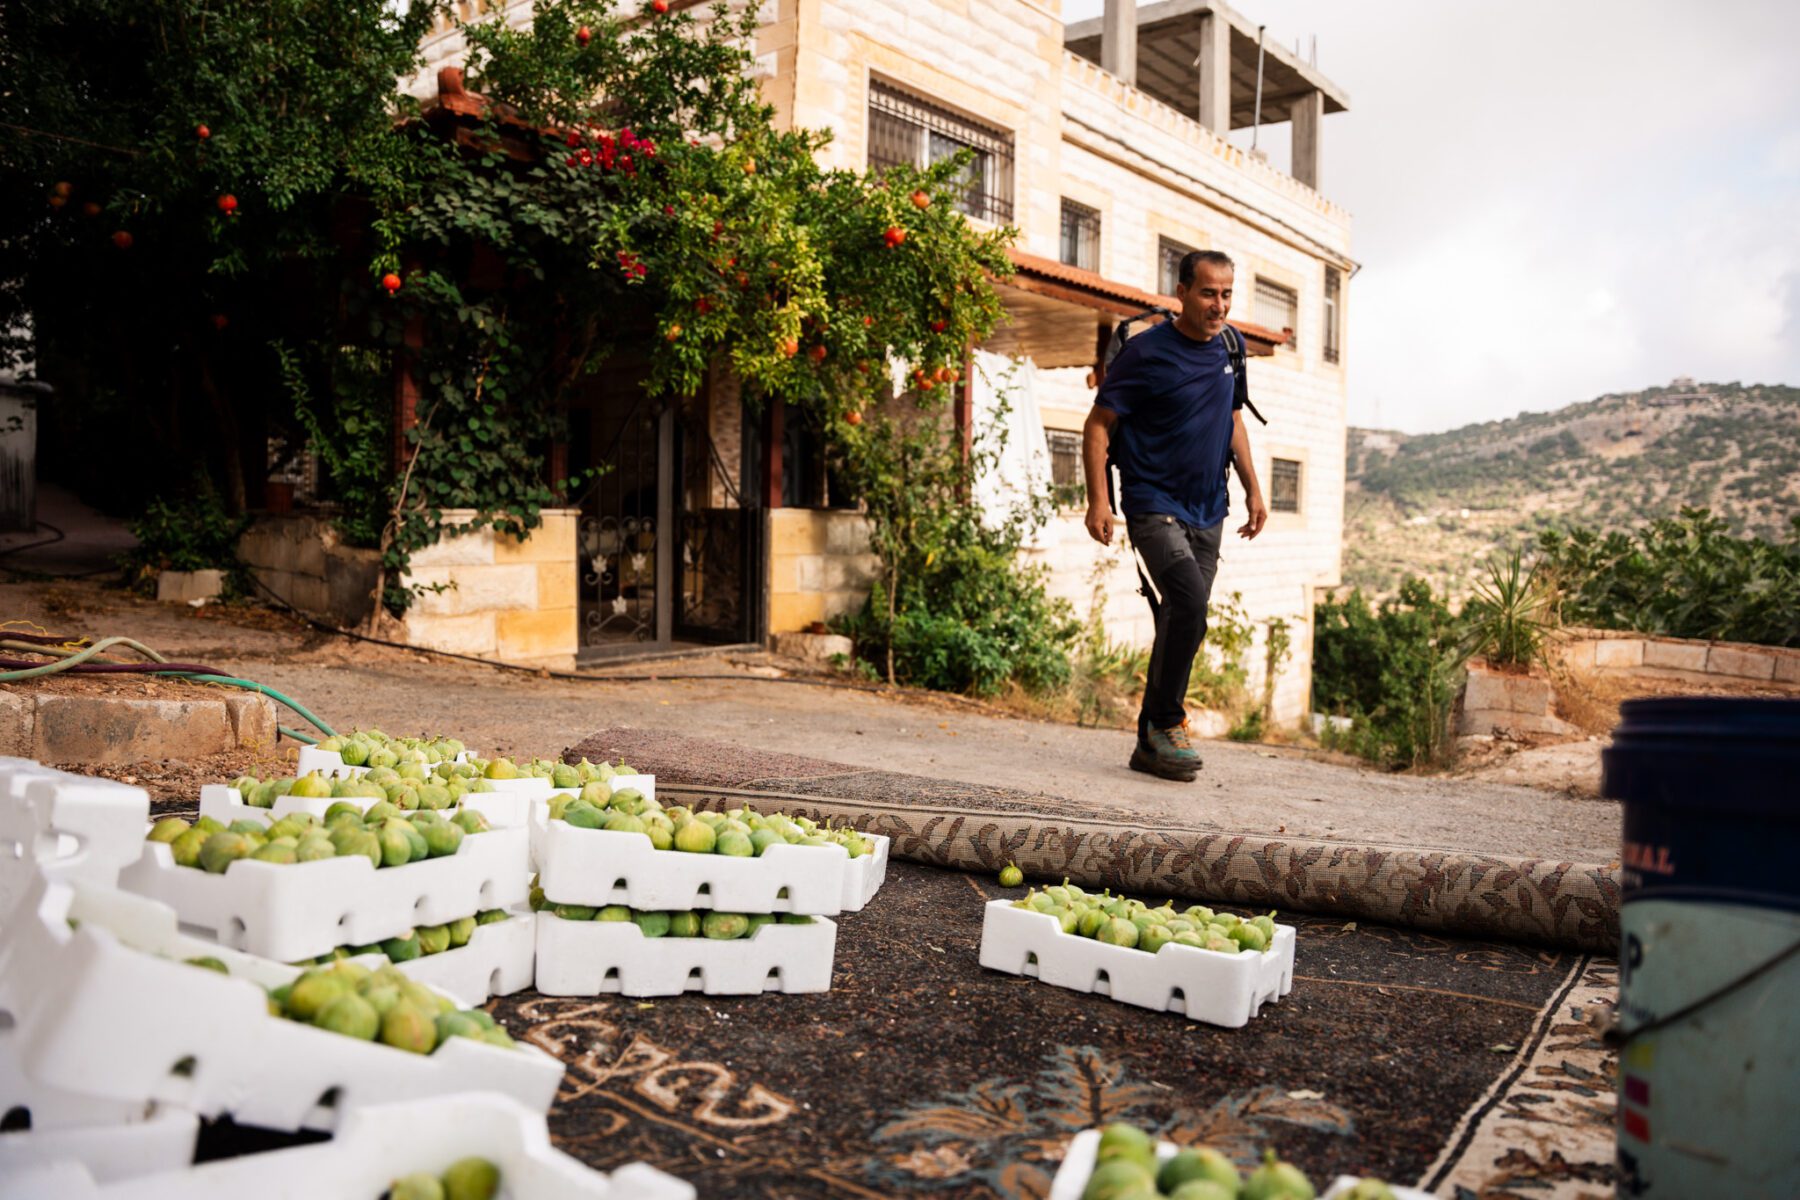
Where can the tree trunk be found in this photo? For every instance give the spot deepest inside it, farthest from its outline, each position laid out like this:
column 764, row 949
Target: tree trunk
column 236, row 499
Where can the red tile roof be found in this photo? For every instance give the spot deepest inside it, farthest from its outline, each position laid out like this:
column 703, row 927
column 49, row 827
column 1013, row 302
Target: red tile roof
column 1127, row 299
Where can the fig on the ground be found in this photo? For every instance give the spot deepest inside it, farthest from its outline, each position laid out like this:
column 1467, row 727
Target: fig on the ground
column 1011, row 876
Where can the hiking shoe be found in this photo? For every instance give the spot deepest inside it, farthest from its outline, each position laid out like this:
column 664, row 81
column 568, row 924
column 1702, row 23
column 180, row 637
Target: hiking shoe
column 1168, row 753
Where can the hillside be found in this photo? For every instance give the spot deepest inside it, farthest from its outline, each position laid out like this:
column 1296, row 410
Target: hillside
column 1435, row 505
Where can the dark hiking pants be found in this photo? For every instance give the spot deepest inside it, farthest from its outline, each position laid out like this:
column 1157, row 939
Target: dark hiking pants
column 1181, row 561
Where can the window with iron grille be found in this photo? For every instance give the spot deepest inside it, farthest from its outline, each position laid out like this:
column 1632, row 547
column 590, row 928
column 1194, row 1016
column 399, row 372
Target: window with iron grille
column 1279, row 308
column 1333, row 281
column 1284, row 485
column 1168, row 264
column 905, row 130
column 1080, row 236
column 1066, row 480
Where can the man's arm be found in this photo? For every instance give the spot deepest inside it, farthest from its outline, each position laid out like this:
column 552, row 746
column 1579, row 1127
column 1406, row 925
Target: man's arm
column 1096, row 438
column 1256, row 513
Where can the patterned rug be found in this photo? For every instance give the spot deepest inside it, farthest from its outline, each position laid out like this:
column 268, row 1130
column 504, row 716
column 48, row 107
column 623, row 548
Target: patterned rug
column 1400, row 1052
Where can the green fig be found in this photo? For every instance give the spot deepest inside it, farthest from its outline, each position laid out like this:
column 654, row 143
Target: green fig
column 1202, row 1164
column 222, row 849
column 684, row 924
column 562, row 775
column 1202, row 1189
column 652, row 924
column 351, row 1015
column 433, row 939
column 1119, row 1179
column 281, row 851
column 501, row 768
column 209, row 963
column 403, row 949
column 407, row 1026
column 734, row 844
column 311, row 786
column 313, row 847
column 721, row 926
column 1155, row 938
column 1128, row 1142
column 1011, row 876
column 461, row 931
column 309, row 994
column 185, row 849
column 695, row 837
column 1118, row 932
column 613, row 913
column 396, row 846
column 490, row 916
column 574, row 912
column 470, row 821
column 458, row 1024
column 417, row 1186
column 471, row 1179
column 167, row 830
column 210, row 825
column 1277, row 1180
column 1249, row 936
column 1369, row 1189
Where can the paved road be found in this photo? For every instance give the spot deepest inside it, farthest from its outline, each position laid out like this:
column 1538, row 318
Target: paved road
column 1243, row 787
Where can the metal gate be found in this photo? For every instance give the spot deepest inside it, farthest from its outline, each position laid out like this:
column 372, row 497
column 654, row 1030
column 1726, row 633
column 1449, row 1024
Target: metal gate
column 669, row 542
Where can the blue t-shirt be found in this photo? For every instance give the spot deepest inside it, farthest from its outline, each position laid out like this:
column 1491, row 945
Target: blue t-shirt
column 1172, row 442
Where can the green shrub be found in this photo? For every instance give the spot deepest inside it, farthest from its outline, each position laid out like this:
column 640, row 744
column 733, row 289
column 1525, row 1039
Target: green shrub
column 1393, row 669
column 191, row 532
column 1504, row 621
column 1684, row 576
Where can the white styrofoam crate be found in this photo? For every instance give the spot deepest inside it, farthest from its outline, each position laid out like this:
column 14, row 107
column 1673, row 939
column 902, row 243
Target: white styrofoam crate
column 595, row 866
column 115, row 1138
column 289, row 911
column 375, row 1145
column 71, row 826
column 864, row 874
column 1084, row 1147
column 1204, row 985
column 593, row 958
column 108, row 1153
column 498, row 960
column 110, row 1008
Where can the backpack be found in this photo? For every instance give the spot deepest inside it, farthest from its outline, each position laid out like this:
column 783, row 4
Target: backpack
column 1234, row 348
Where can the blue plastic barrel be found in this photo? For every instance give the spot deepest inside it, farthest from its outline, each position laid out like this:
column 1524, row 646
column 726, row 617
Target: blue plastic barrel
column 1709, row 962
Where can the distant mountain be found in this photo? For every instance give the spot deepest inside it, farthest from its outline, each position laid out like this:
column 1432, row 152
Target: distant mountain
column 1435, row 505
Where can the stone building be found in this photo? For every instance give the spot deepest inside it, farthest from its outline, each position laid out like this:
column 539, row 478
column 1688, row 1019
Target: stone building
column 1105, row 143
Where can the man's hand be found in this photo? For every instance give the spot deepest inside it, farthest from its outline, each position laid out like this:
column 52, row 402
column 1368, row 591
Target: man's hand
column 1256, row 515
column 1100, row 523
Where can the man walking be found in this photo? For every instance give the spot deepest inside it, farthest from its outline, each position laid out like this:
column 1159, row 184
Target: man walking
column 1170, row 414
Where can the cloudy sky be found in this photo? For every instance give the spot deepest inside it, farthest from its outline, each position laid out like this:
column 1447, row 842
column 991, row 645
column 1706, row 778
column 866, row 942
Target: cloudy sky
column 1555, row 200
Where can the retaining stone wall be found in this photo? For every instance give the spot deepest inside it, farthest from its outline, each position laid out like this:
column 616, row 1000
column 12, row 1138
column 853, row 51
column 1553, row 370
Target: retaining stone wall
column 1610, row 651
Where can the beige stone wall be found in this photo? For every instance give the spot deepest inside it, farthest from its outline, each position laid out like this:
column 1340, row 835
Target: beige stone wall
column 820, row 566
column 499, row 596
column 1612, row 652
column 299, row 559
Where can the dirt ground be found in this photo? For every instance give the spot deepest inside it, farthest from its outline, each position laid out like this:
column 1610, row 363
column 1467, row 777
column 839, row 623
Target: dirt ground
column 761, row 701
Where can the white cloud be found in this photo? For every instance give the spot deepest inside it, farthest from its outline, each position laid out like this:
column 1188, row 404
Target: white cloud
column 1555, row 200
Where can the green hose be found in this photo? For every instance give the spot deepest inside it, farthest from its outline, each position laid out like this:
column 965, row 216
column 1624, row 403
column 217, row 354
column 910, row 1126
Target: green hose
column 72, row 658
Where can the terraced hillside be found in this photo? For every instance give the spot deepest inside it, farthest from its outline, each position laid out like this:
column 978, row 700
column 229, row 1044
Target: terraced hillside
column 1435, row 505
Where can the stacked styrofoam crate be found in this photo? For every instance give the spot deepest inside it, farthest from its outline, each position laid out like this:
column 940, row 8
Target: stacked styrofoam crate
column 373, row 1146
column 70, row 826
column 116, row 1045
column 1204, row 985
column 1084, row 1148
column 594, row 867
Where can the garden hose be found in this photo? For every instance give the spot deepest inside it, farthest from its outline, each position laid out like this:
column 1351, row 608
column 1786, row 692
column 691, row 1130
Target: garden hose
column 72, row 657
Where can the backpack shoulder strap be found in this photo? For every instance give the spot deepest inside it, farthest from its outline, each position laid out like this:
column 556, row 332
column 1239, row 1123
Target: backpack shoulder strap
column 1236, row 353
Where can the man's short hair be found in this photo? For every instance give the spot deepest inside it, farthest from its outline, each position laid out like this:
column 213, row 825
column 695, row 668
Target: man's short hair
column 1190, row 262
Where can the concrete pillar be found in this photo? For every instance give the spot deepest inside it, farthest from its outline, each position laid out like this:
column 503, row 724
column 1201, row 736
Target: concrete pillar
column 1118, row 40
column 1306, row 113
column 1215, row 73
